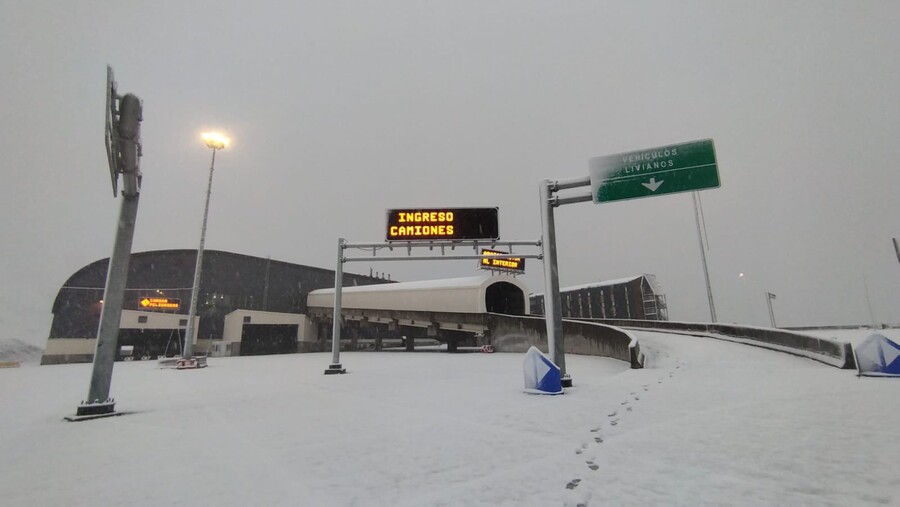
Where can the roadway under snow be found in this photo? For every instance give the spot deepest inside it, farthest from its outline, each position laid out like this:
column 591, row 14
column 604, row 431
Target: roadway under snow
column 706, row 422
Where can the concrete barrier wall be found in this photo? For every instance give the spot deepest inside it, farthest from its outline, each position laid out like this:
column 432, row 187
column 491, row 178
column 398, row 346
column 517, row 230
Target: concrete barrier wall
column 593, row 339
column 777, row 339
column 849, row 327
column 517, row 334
column 69, row 350
column 67, row 358
column 508, row 333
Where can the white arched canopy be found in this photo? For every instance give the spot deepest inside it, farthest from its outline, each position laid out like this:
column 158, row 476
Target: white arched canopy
column 475, row 294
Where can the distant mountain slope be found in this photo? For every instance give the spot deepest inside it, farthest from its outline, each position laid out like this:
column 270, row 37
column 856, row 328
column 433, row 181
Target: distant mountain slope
column 16, row 350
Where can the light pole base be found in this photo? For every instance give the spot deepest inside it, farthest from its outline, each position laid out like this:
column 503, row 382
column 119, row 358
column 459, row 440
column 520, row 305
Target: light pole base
column 88, row 411
column 335, row 369
column 566, row 381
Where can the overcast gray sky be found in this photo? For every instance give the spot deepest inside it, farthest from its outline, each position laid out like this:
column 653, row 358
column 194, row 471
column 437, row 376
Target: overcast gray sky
column 340, row 110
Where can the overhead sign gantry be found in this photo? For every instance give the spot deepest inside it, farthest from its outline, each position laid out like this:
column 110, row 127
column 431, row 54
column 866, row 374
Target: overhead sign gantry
column 441, row 231
column 650, row 172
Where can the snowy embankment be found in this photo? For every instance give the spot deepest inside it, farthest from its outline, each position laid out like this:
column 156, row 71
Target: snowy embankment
column 706, row 422
column 16, row 351
column 853, row 336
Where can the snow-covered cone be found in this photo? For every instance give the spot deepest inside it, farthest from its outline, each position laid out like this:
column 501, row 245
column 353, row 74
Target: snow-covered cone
column 541, row 375
column 878, row 356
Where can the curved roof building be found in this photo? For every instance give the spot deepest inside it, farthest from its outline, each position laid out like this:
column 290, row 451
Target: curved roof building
column 229, row 282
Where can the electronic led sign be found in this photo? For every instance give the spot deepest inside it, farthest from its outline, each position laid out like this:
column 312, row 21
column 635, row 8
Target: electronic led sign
column 516, row 264
column 430, row 224
column 165, row 303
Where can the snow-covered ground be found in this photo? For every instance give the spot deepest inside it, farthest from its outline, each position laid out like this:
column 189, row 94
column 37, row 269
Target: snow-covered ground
column 708, row 422
column 19, row 351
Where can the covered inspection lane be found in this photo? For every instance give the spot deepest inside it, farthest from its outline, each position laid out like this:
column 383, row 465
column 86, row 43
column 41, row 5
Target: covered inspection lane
column 449, row 310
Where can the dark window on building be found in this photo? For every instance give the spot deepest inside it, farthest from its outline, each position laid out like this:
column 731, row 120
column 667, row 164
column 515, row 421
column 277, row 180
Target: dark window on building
column 182, row 322
column 142, row 319
column 246, row 319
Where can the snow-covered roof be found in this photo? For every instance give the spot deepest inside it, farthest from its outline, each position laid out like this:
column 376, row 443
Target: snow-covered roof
column 446, row 283
column 466, row 295
column 604, row 283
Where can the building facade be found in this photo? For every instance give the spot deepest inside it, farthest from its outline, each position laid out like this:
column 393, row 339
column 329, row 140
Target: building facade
column 160, row 282
column 637, row 297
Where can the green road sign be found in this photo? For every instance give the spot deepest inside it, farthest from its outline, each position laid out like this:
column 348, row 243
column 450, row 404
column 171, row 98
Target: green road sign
column 654, row 171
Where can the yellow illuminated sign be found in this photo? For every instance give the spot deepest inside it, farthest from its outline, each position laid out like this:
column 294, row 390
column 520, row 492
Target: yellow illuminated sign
column 442, row 223
column 511, row 264
column 163, row 303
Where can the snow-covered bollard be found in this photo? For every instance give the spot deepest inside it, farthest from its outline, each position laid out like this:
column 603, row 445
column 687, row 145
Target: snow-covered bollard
column 541, row 375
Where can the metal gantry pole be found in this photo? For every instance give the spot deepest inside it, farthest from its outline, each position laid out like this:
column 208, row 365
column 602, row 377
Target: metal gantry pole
column 552, row 306
column 709, row 294
column 335, row 366
column 198, row 268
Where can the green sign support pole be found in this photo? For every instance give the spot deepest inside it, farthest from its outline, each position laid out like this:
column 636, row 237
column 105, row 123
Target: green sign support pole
column 664, row 170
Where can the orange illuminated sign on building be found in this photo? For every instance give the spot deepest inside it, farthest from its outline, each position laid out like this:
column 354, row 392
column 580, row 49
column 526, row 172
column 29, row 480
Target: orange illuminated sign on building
column 442, row 224
column 161, row 303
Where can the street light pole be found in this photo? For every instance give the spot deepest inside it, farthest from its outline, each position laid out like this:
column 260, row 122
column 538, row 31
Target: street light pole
column 216, row 142
column 709, row 294
column 769, row 298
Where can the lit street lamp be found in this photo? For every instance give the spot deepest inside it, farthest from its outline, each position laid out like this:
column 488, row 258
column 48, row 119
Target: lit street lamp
column 216, row 141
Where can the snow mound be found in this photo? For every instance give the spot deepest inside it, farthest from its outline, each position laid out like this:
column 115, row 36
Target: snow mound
column 19, row 351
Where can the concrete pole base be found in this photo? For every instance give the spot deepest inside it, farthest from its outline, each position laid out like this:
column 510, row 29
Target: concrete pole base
column 335, row 369
column 87, row 411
